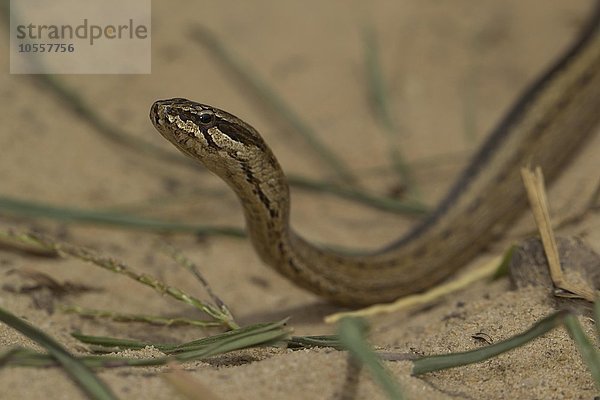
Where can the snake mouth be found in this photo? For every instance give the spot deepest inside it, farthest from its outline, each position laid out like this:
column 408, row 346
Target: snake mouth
column 161, row 115
column 155, row 114
column 158, row 116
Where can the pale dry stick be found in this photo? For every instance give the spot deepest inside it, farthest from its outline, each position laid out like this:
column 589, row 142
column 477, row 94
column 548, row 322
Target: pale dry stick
column 484, row 271
column 536, row 193
column 570, row 218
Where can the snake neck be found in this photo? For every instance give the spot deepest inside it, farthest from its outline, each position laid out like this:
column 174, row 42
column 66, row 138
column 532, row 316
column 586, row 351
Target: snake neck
column 264, row 194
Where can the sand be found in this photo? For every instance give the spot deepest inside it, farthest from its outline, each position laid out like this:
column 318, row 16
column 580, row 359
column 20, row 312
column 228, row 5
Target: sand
column 452, row 70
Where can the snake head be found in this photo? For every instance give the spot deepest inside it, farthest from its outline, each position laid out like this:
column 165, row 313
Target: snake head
column 219, row 140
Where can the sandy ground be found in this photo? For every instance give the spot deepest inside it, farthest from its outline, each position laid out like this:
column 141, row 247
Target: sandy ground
column 452, row 68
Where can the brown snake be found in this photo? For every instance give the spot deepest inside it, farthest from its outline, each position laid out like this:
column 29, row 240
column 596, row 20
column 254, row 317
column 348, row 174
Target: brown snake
column 545, row 127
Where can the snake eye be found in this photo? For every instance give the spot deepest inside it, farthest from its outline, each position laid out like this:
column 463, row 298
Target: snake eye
column 206, row 117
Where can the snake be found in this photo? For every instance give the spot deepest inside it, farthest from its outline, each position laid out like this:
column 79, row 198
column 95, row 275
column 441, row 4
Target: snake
column 545, row 127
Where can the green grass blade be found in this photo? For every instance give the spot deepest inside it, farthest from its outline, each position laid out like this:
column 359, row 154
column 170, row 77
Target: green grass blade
column 352, row 336
column 125, row 221
column 275, row 102
column 112, row 342
column 251, row 335
column 588, row 352
column 376, row 82
column 381, row 203
column 435, row 363
column 380, row 100
column 234, row 333
column 503, row 268
column 33, row 209
column 80, row 373
column 23, row 357
column 302, row 342
column 148, row 319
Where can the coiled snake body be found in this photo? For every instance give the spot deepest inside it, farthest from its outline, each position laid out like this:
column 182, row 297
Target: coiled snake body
column 545, row 127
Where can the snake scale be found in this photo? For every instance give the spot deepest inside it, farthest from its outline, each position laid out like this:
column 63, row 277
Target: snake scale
column 545, row 127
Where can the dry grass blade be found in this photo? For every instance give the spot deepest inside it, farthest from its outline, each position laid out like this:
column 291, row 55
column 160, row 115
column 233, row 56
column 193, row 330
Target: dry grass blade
column 185, row 262
column 8, row 241
column 116, row 266
column 536, row 193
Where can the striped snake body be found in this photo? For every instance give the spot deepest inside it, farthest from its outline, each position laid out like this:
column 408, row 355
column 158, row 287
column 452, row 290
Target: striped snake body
column 545, row 127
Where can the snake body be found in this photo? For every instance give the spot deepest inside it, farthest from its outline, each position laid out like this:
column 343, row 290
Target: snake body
column 544, row 127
